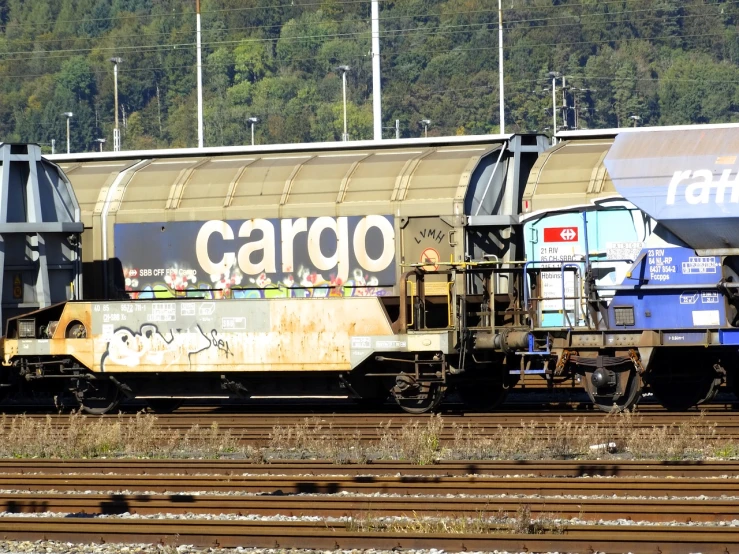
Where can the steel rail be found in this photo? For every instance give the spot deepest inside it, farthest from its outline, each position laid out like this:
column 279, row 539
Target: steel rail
column 557, row 468
column 371, row 484
column 372, row 422
column 588, row 509
column 327, row 535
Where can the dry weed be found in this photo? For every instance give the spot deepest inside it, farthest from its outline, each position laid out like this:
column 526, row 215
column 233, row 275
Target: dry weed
column 420, row 442
column 90, row 437
column 313, row 438
column 417, row 442
column 690, row 439
column 522, row 523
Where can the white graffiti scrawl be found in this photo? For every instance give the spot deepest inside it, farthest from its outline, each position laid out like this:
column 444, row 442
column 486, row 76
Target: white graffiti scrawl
column 149, row 347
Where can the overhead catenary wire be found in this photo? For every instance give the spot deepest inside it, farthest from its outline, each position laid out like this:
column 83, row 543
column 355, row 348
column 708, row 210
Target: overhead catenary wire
column 385, row 32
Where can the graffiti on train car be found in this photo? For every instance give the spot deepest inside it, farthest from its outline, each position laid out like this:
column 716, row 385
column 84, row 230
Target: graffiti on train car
column 148, row 347
column 258, row 258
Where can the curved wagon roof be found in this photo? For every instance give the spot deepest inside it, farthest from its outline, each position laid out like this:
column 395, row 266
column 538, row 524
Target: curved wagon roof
column 572, row 173
column 405, row 178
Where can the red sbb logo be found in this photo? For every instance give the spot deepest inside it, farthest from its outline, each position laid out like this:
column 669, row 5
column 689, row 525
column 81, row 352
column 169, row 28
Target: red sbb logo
column 560, row 234
column 133, row 272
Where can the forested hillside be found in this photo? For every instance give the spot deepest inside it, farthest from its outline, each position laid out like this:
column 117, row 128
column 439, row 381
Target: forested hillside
column 665, row 61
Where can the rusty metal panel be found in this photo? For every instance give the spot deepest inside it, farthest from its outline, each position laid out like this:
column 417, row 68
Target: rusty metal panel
column 272, row 335
column 438, row 174
column 569, row 174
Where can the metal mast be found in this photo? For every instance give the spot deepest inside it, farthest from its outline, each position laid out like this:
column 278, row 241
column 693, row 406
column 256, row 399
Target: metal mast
column 376, row 83
column 200, row 75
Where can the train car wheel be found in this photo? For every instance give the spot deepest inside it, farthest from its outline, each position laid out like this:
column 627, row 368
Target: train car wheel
column 164, row 405
column 424, row 398
column 678, row 396
column 606, row 399
column 98, row 398
column 684, row 379
column 482, row 397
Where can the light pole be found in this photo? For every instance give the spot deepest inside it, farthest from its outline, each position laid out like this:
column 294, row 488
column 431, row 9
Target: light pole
column 554, row 75
column 376, row 82
column 344, row 70
column 252, row 121
column 101, row 141
column 69, row 116
column 500, row 67
column 636, row 119
column 199, row 73
column 116, row 131
column 425, row 123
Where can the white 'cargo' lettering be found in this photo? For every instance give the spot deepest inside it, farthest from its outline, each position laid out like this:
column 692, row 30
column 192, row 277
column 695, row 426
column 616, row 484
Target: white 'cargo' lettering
column 266, row 244
column 340, row 258
column 388, row 243
column 201, row 247
column 338, row 261
column 290, row 228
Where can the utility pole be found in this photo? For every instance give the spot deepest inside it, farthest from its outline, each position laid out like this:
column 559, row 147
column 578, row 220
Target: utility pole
column 500, row 66
column 253, row 121
column 425, row 123
column 200, row 74
column 376, row 81
column 344, row 70
column 116, row 130
column 69, row 116
column 564, row 101
column 554, row 75
column 397, row 128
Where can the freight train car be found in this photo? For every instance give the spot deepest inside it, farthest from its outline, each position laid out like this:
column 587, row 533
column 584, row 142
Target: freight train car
column 642, row 217
column 625, row 280
column 316, row 237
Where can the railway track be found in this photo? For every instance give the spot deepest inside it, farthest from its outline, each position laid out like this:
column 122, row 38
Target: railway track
column 661, row 506
column 266, row 421
column 588, row 509
column 371, row 484
column 559, row 468
column 327, row 535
